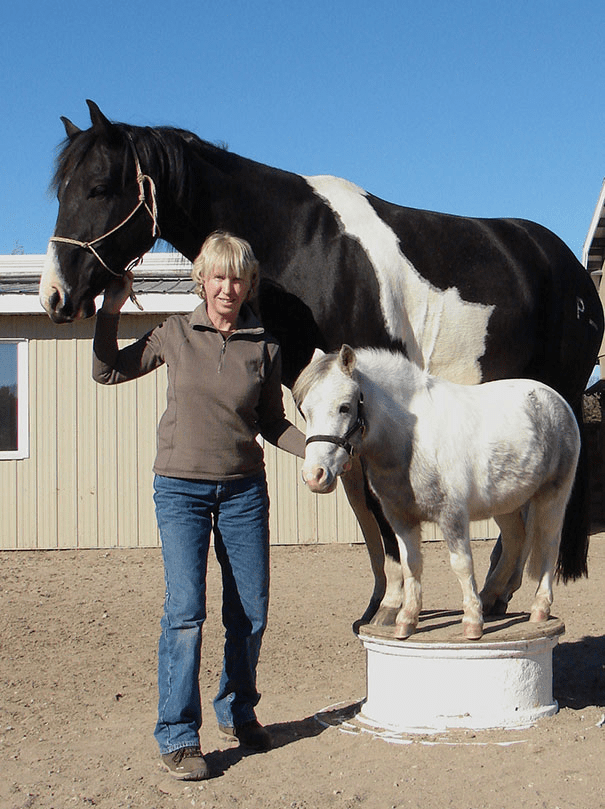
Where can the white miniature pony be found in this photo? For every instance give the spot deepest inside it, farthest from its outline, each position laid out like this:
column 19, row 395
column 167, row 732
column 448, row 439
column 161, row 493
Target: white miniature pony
column 446, row 453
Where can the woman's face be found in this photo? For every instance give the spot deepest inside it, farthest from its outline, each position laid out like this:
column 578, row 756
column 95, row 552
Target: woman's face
column 224, row 296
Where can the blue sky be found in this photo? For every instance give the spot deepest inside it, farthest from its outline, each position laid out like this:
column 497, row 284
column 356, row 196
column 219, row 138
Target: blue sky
column 482, row 108
column 8, row 364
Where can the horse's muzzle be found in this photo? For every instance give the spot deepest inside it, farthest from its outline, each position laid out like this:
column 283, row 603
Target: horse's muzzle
column 319, row 479
column 60, row 310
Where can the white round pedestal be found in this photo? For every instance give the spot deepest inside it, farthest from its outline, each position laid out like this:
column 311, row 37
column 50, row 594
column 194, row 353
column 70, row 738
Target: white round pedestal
column 437, row 679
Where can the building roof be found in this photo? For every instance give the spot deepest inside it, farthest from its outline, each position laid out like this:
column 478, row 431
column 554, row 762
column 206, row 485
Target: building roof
column 593, row 252
column 162, row 284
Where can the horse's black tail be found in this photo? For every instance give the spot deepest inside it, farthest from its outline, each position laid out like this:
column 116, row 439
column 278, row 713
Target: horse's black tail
column 573, row 551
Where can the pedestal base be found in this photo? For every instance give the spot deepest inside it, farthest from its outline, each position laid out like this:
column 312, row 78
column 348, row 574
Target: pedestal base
column 437, row 679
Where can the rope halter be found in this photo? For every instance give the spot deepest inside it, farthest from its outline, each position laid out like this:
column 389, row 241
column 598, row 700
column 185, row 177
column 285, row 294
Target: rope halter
column 143, row 180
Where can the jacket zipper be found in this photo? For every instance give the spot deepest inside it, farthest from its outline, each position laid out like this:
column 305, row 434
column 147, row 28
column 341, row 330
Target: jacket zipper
column 222, row 355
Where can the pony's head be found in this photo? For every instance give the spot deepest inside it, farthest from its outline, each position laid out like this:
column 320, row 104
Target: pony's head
column 106, row 220
column 329, row 398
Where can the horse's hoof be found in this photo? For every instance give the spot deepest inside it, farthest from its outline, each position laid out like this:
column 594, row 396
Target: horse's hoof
column 499, row 607
column 473, row 631
column 538, row 616
column 403, row 631
column 385, row 616
column 369, row 614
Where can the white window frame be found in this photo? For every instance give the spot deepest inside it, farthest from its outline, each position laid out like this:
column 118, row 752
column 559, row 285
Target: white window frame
column 22, row 450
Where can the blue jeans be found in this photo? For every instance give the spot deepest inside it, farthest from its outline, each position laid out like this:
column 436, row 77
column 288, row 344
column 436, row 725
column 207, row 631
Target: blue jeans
column 187, row 511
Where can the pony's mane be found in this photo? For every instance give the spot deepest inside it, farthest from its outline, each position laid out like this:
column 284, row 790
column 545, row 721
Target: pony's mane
column 389, row 366
column 315, row 371
column 384, row 362
column 163, row 151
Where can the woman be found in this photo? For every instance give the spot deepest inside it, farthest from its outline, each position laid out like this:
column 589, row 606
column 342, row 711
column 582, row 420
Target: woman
column 224, row 387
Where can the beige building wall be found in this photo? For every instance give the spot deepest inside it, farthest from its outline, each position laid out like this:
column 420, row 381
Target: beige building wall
column 87, row 482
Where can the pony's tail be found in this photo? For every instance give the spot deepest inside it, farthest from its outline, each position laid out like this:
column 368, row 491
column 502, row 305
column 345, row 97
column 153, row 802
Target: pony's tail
column 573, row 551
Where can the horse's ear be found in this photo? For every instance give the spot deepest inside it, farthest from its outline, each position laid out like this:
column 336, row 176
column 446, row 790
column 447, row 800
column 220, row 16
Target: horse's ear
column 71, row 130
column 318, row 354
column 98, row 120
column 346, row 359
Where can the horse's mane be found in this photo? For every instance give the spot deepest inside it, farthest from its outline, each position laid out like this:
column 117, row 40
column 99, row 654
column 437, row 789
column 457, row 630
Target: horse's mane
column 163, row 151
column 310, row 375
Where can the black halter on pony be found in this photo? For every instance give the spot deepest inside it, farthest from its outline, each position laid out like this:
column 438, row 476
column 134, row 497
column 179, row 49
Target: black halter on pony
column 359, row 425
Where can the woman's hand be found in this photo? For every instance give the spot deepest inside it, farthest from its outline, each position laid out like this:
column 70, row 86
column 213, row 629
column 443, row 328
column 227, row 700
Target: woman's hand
column 117, row 292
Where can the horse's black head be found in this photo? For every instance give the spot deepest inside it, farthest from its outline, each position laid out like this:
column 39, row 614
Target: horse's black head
column 105, row 217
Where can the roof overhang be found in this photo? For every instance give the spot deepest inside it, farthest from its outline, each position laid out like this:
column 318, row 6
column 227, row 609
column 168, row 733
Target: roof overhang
column 162, row 284
column 593, row 252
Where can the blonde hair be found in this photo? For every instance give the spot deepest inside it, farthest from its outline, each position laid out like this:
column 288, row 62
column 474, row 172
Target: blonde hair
column 229, row 254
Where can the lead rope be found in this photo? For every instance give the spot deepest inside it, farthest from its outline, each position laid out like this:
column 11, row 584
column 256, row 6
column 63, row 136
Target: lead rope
column 153, row 213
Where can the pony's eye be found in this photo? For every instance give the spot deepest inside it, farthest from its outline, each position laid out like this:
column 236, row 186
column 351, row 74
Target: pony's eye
column 344, row 408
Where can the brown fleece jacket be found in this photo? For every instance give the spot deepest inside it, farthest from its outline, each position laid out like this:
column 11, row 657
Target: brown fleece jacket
column 222, row 392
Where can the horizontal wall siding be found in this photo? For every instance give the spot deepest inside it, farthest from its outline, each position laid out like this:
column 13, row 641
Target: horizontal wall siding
column 88, row 480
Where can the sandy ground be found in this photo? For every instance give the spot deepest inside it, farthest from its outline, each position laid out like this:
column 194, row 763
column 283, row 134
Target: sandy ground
column 78, row 694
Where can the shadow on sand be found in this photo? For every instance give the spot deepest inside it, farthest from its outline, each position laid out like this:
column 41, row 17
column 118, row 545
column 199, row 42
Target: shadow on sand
column 283, row 733
column 579, row 673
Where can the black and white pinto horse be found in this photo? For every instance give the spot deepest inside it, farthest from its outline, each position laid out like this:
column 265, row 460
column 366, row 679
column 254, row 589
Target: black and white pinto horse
column 468, row 299
column 446, row 453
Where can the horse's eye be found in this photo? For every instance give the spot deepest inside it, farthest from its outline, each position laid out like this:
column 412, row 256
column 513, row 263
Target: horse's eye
column 97, row 191
column 344, row 408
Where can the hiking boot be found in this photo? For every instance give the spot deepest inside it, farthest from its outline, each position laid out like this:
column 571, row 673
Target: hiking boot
column 251, row 734
column 186, row 764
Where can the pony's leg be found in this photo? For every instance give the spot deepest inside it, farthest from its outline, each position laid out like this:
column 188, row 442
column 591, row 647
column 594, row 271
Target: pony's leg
column 409, row 541
column 456, row 533
column 387, row 595
column 507, row 563
column 544, row 527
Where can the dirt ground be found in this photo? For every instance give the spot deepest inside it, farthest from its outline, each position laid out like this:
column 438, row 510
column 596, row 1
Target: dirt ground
column 78, row 694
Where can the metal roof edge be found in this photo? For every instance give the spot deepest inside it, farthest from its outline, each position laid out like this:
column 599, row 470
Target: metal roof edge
column 598, row 213
column 153, row 303
column 153, row 264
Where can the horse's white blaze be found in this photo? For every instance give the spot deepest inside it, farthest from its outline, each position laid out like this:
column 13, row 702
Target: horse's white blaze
column 443, row 333
column 51, row 280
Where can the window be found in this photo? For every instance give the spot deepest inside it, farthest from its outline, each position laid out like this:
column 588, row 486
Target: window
column 14, row 414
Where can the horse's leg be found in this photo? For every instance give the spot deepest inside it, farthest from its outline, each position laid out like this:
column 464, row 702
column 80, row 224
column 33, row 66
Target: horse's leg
column 456, row 532
column 506, row 570
column 544, row 526
column 573, row 549
column 409, row 541
column 380, row 541
column 501, row 604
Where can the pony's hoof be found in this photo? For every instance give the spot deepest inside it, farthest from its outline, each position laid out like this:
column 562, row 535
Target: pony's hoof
column 473, row 631
column 403, row 631
column 538, row 616
column 385, row 616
